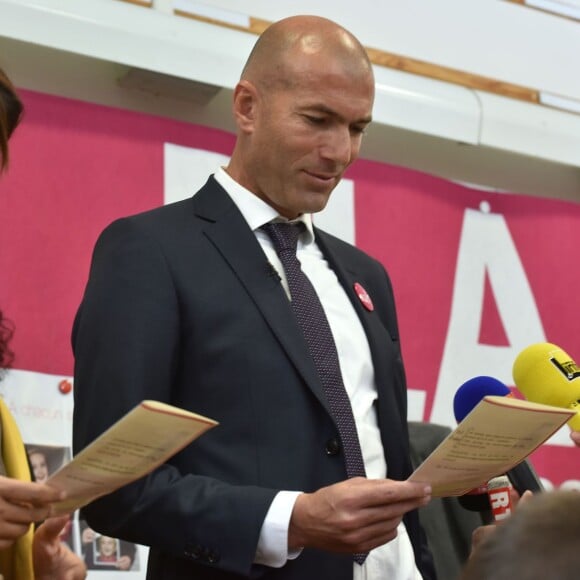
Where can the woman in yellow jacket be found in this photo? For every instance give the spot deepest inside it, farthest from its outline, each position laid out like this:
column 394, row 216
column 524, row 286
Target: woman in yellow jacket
column 25, row 554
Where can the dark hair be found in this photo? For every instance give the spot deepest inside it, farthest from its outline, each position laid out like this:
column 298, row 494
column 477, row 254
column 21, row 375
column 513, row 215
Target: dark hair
column 540, row 540
column 6, row 332
column 10, row 114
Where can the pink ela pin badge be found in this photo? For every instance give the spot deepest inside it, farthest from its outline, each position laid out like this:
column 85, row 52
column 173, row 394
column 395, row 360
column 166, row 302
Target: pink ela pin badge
column 364, row 297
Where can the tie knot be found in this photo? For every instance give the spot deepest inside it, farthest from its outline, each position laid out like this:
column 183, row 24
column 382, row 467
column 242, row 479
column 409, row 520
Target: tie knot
column 284, row 235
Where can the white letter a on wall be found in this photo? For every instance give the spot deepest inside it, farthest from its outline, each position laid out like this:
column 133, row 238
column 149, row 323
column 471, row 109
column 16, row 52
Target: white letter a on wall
column 486, row 246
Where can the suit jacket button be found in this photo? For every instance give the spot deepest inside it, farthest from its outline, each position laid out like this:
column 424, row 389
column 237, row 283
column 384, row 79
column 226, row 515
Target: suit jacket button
column 332, row 447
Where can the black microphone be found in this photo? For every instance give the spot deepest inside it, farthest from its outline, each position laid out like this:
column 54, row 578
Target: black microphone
column 523, row 478
column 477, row 500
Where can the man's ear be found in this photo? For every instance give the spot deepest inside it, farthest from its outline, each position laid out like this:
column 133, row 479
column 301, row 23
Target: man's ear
column 245, row 105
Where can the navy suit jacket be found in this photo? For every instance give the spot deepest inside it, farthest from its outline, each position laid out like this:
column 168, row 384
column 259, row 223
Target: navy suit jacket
column 181, row 306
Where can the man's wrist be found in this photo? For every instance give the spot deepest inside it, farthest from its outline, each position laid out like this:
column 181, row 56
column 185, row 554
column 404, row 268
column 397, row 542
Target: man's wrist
column 273, row 549
column 296, row 536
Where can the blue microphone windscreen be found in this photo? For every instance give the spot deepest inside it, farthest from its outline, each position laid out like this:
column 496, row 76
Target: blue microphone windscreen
column 473, row 391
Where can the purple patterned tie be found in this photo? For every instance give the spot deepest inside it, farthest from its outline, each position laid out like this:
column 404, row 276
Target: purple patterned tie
column 312, row 319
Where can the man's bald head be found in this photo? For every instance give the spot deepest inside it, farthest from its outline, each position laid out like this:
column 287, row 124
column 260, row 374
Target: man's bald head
column 302, row 105
column 291, row 47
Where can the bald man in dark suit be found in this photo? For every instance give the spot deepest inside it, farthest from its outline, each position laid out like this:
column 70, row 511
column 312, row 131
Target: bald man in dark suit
column 190, row 304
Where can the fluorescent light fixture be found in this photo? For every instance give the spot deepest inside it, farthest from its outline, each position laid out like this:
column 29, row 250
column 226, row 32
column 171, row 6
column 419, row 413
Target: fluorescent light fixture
column 568, row 8
column 559, row 102
column 417, row 103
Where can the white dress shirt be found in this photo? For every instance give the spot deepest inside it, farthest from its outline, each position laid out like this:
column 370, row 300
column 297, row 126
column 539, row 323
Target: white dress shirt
column 394, row 560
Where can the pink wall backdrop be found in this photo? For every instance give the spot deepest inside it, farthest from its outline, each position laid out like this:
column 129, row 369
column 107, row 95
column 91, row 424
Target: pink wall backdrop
column 412, row 223
column 77, row 166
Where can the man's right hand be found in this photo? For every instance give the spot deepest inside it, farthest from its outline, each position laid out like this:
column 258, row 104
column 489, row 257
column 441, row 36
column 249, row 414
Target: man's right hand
column 355, row 515
column 22, row 503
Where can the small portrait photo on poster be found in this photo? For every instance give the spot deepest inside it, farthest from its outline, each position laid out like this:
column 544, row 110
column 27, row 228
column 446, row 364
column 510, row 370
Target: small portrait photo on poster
column 102, row 552
column 45, row 460
column 106, row 551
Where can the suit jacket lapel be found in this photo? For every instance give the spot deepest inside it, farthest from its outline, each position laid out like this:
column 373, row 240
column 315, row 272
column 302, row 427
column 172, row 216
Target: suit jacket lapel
column 348, row 275
column 230, row 234
column 228, row 231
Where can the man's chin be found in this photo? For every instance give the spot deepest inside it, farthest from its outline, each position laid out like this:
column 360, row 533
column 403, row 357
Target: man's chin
column 317, row 202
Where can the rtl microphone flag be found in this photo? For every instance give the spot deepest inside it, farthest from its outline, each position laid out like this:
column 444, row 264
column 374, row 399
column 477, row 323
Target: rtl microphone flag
column 500, row 497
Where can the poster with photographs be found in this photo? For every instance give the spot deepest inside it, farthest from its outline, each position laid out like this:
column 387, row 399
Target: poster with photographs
column 42, row 406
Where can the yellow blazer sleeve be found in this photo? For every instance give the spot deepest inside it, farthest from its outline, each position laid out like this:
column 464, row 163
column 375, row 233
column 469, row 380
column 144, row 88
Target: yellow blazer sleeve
column 16, row 561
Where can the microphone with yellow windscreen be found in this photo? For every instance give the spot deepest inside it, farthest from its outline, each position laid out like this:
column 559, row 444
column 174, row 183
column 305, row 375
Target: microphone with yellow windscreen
column 544, row 373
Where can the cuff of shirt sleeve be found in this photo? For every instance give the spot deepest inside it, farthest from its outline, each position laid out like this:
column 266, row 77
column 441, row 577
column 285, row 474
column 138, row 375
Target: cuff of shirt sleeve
column 273, row 541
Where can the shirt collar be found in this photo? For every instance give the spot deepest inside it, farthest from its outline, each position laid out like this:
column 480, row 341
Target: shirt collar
column 257, row 212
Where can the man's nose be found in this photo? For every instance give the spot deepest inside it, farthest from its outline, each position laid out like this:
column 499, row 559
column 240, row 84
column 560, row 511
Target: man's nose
column 339, row 147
